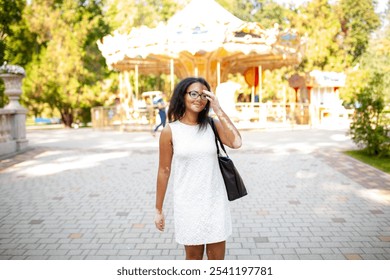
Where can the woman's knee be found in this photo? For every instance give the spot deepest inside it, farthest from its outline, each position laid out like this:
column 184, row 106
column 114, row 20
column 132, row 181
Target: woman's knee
column 216, row 251
column 194, row 252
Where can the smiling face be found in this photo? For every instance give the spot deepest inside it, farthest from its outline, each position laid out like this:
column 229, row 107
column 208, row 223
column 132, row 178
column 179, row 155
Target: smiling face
column 198, row 104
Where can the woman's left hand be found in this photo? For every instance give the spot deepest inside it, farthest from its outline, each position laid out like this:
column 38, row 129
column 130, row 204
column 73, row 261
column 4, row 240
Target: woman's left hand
column 214, row 103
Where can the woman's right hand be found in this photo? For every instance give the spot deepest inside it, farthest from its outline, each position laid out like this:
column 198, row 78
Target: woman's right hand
column 159, row 220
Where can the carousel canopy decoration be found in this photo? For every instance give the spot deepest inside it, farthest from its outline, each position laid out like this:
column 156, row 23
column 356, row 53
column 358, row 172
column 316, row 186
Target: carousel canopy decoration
column 197, row 39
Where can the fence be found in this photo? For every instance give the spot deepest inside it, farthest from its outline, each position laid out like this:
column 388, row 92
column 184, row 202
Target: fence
column 122, row 118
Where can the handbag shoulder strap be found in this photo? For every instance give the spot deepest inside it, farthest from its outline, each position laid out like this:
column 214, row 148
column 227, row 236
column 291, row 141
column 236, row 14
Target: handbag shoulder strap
column 217, row 139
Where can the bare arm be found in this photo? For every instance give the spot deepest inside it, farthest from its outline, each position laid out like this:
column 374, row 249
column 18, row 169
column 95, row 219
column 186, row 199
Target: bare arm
column 229, row 134
column 164, row 171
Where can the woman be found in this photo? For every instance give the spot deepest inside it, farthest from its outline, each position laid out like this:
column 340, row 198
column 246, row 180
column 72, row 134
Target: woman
column 201, row 210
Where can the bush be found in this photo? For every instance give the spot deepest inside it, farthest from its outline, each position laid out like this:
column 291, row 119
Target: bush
column 370, row 126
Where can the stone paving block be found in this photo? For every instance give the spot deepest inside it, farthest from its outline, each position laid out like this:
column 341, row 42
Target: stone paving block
column 291, row 245
column 239, row 251
column 271, row 257
column 267, row 245
column 106, row 252
column 321, row 251
column 143, row 257
column 128, row 252
column 29, row 246
column 69, row 246
column 8, row 245
column 261, row 251
column 14, row 252
column 157, row 257
column 93, row 257
column 145, row 246
column 47, row 241
column 124, row 246
column 36, row 257
column 107, row 247
column 284, row 251
column 302, row 251
column 247, row 257
column 373, row 250
column 57, row 252
column 24, row 257
column 310, row 244
column 310, row 257
column 350, row 250
column 333, row 257
column 36, row 252
column 290, row 257
column 176, row 252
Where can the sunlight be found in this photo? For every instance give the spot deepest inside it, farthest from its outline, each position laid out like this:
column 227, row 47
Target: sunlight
column 340, row 137
column 71, row 163
column 379, row 196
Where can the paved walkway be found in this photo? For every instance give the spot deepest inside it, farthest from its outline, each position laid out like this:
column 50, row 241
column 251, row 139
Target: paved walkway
column 84, row 194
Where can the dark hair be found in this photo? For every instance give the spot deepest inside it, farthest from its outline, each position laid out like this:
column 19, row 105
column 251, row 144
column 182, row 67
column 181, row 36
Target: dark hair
column 177, row 106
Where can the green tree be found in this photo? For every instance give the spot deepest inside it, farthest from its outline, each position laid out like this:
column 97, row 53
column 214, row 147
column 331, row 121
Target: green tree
column 358, row 20
column 10, row 15
column 123, row 15
column 266, row 12
column 69, row 63
column 317, row 20
column 368, row 128
column 375, row 59
column 377, row 56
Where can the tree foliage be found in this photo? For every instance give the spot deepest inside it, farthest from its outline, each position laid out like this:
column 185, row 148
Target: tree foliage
column 10, row 16
column 358, row 20
column 374, row 60
column 320, row 25
column 68, row 62
column 10, row 13
column 369, row 128
column 123, row 15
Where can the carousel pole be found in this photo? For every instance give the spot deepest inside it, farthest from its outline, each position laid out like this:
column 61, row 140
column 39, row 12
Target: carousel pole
column 218, row 72
column 260, row 70
column 136, row 83
column 253, row 92
column 121, row 85
column 172, row 73
column 262, row 114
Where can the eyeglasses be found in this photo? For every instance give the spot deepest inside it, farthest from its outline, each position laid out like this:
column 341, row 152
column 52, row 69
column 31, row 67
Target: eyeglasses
column 194, row 95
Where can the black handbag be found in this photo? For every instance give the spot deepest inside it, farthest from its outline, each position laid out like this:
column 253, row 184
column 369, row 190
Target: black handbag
column 235, row 187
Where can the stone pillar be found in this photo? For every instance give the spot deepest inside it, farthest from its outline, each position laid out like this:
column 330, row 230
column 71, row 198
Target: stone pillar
column 13, row 89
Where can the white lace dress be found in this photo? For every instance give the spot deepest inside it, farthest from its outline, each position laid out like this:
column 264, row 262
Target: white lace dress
column 201, row 210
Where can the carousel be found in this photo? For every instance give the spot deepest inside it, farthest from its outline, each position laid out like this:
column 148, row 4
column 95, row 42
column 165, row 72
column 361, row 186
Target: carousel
column 197, row 41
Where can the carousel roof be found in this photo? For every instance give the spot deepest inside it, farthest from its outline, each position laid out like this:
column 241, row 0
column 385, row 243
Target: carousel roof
column 198, row 36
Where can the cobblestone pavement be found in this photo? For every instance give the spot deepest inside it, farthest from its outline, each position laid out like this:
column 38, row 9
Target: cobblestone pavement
column 84, row 194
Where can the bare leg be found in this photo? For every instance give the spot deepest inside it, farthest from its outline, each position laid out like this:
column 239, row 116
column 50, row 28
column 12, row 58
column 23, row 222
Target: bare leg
column 194, row 252
column 216, row 251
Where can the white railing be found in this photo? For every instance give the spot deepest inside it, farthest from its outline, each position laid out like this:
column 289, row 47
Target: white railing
column 122, row 118
column 254, row 114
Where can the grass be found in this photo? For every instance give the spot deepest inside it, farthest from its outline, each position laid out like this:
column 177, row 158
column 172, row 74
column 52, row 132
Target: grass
column 382, row 163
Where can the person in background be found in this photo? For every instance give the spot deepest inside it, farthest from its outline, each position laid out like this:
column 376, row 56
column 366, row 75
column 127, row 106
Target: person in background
column 161, row 105
column 202, row 217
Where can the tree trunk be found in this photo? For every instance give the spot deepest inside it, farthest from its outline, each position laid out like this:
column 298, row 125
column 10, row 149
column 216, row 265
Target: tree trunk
column 67, row 117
